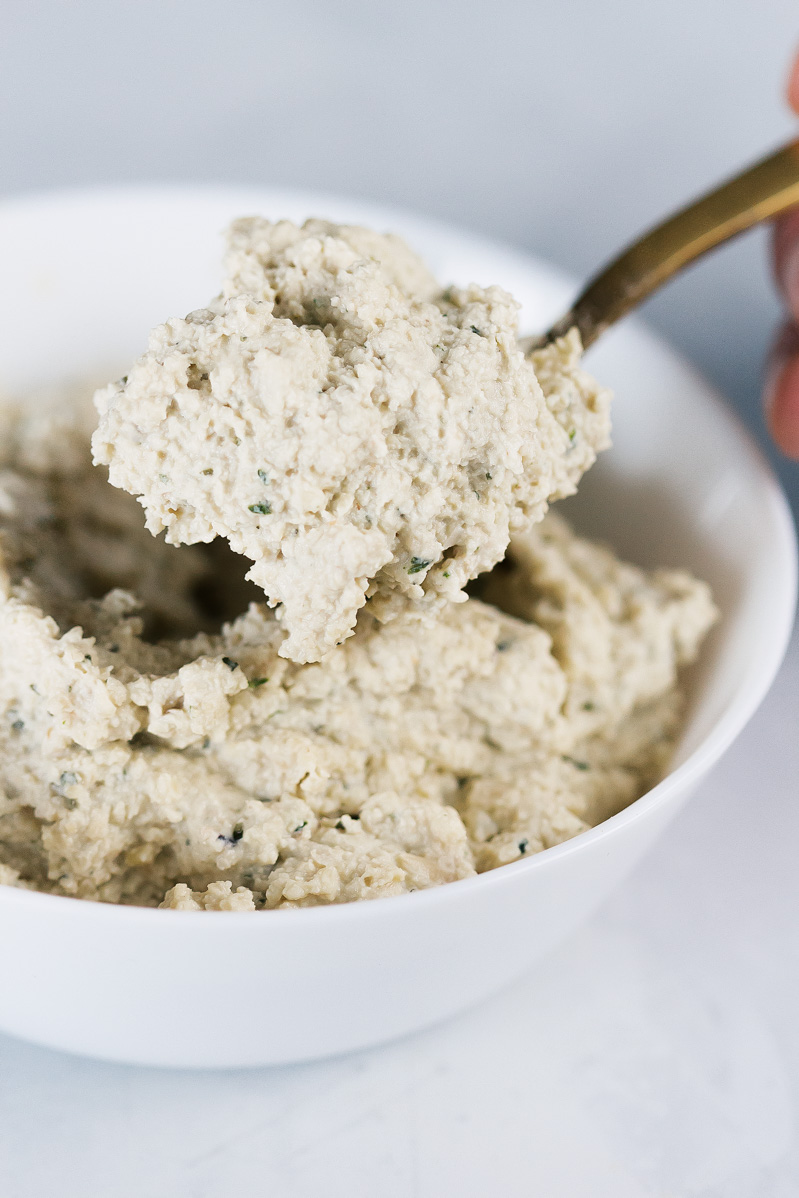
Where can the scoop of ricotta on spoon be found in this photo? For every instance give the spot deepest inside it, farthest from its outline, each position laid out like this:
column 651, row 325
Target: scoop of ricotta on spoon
column 356, row 431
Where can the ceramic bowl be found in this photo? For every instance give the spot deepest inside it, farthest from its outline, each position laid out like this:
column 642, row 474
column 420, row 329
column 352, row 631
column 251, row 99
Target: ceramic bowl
column 84, row 277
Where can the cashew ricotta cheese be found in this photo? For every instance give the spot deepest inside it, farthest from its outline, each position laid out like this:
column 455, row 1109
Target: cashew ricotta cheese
column 356, row 432
column 153, row 751
column 171, row 737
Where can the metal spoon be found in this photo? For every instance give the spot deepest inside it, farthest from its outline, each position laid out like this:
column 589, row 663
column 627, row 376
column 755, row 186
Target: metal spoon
column 763, row 191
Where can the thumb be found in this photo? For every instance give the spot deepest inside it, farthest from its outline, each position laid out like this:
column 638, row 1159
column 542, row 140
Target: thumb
column 793, row 86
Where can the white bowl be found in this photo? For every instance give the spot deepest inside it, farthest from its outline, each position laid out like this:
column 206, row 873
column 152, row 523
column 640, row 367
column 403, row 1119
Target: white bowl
column 84, row 276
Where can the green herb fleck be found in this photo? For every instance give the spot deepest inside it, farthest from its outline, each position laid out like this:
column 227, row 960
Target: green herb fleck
column 299, row 827
column 523, row 846
column 488, row 476
column 446, row 573
column 208, row 470
column 579, row 765
column 238, row 831
column 18, row 725
column 70, row 804
column 67, row 778
column 230, row 663
column 342, row 827
column 163, row 478
column 588, row 705
column 572, row 434
column 475, row 329
column 260, row 509
column 417, row 564
column 264, row 477
column 503, row 646
column 254, row 682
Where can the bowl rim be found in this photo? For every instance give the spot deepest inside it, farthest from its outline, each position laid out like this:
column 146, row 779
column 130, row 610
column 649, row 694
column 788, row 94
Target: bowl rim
column 752, row 689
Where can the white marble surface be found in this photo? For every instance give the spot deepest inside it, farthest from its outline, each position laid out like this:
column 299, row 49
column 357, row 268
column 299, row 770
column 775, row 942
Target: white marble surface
column 657, row 1053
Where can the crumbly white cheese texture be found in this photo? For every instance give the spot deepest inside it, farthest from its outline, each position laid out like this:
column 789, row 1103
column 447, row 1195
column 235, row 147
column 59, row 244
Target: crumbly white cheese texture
column 354, row 430
column 156, row 748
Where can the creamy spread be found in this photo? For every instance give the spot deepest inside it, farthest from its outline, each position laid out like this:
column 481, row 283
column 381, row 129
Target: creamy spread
column 354, row 430
column 354, row 725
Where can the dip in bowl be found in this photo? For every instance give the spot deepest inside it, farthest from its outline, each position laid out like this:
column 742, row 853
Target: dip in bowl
column 87, row 275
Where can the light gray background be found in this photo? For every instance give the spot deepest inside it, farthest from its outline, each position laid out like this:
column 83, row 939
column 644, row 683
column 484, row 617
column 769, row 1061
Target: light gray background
column 658, row 1054
column 564, row 126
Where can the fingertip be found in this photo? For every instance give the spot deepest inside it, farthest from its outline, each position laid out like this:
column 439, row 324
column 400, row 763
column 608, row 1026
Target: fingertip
column 785, row 265
column 782, row 402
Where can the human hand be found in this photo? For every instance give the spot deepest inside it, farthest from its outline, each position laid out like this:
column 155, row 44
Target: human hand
column 781, row 396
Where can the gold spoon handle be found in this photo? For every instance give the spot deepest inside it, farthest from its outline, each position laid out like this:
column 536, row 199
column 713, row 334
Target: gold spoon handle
column 758, row 194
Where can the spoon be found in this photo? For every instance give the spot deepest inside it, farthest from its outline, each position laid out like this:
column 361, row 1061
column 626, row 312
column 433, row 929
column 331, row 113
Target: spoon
column 758, row 194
